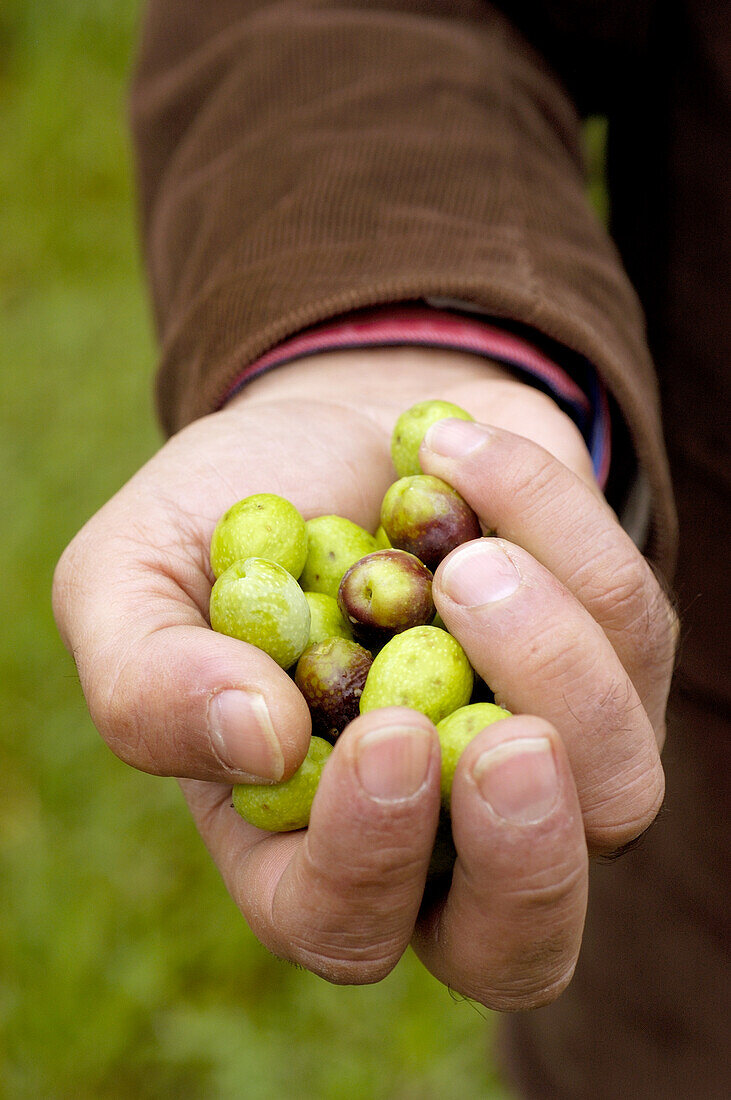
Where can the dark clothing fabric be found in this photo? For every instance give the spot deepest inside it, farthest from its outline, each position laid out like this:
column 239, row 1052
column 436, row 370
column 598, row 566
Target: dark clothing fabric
column 298, row 160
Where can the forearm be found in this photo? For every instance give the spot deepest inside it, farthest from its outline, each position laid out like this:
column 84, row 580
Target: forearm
column 325, row 160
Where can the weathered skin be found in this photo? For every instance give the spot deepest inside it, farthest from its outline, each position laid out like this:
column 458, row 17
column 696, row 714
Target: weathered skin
column 259, row 602
column 331, row 676
column 384, row 593
column 333, row 545
column 260, row 526
column 412, row 426
column 424, row 668
column 428, row 518
column 282, row 807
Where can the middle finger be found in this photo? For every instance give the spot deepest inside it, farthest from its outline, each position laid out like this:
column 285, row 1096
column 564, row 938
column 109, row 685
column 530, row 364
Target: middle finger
column 342, row 897
column 542, row 653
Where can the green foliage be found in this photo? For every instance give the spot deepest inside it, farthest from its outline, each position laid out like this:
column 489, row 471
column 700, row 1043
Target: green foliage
column 127, row 971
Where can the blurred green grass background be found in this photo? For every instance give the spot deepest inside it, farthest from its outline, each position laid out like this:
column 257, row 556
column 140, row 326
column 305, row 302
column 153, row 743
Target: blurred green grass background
column 126, row 970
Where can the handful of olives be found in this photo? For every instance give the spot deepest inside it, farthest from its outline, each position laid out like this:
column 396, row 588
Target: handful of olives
column 351, row 614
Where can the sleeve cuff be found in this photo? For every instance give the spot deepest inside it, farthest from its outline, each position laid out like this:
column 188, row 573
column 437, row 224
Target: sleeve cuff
column 425, row 326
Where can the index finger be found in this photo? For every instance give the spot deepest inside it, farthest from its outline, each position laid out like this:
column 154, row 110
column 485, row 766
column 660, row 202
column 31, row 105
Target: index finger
column 526, row 496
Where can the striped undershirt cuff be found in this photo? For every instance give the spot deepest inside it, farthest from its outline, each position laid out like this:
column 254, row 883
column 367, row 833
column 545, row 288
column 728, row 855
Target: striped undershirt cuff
column 422, row 325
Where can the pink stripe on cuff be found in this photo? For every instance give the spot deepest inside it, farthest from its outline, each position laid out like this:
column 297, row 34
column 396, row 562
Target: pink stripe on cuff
column 402, row 325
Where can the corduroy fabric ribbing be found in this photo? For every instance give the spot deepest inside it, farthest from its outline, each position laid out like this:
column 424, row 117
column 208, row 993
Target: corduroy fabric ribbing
column 299, row 161
column 299, row 158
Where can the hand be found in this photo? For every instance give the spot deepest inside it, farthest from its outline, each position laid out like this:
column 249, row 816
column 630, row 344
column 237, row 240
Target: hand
column 172, row 697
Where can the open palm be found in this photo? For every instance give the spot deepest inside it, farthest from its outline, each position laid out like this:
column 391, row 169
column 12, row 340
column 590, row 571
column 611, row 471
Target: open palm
column 532, row 794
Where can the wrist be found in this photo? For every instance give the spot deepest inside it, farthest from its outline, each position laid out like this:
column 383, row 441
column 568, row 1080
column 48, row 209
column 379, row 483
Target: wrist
column 382, row 360
column 382, row 381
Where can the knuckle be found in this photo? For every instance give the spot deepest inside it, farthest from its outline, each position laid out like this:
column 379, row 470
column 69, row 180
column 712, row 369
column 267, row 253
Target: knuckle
column 68, row 570
column 625, row 595
column 549, row 890
column 609, row 707
column 535, row 477
column 559, row 659
column 630, row 846
column 380, row 866
column 598, row 695
column 553, row 655
column 633, row 602
column 640, row 803
column 390, row 865
column 118, row 717
column 105, row 681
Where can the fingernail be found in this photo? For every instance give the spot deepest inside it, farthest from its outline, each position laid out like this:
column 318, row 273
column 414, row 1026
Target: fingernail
column 242, row 730
column 392, row 763
column 481, row 573
column 518, row 779
column 455, row 438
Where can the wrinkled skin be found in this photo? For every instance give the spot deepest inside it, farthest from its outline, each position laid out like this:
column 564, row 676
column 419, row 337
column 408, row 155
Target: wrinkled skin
column 578, row 644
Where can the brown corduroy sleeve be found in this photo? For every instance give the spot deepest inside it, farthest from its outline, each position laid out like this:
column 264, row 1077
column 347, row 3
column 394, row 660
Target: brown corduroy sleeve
column 300, row 160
